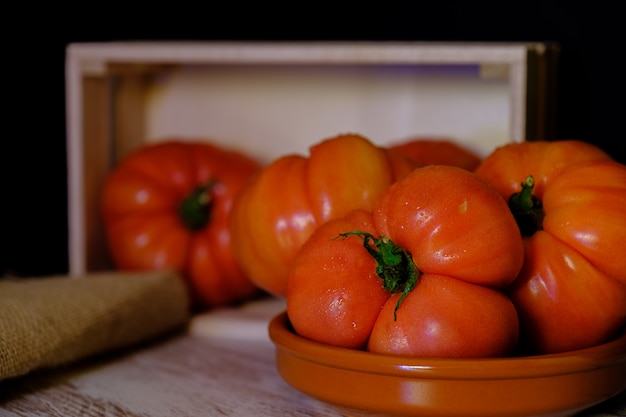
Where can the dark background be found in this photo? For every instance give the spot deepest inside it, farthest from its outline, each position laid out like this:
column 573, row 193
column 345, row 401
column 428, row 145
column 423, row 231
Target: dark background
column 590, row 84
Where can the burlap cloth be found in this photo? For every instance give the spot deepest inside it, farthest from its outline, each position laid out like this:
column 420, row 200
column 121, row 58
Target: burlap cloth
column 52, row 321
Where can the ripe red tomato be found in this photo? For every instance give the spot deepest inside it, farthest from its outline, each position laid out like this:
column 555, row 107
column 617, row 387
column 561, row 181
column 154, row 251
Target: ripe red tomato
column 333, row 292
column 448, row 318
column 280, row 208
column 569, row 199
column 438, row 151
column 167, row 205
column 421, row 274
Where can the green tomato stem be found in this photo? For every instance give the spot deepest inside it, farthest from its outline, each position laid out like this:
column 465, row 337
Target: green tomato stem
column 527, row 208
column 394, row 265
column 195, row 209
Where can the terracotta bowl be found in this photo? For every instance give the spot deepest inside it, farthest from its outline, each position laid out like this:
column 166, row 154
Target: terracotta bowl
column 358, row 383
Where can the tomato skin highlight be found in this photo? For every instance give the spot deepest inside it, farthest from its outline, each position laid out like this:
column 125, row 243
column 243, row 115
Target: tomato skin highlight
column 571, row 291
column 140, row 205
column 281, row 206
column 335, row 293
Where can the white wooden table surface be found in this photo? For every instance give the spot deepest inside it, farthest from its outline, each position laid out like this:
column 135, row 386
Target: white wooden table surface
column 223, row 365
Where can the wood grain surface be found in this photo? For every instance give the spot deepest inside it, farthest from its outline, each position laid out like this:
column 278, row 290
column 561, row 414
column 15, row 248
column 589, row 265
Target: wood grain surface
column 183, row 376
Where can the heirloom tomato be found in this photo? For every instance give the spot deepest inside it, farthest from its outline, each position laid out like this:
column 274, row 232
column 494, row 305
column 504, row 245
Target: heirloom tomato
column 167, row 205
column 438, row 151
column 569, row 198
column 279, row 209
column 421, row 274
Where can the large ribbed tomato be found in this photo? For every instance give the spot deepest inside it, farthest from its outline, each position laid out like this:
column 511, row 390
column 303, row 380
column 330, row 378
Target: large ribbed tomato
column 420, row 275
column 569, row 199
column 167, row 205
column 280, row 208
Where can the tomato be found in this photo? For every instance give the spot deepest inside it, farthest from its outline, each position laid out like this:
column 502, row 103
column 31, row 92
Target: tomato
column 281, row 206
column 510, row 164
column 438, row 151
column 333, row 292
column 167, row 205
column 422, row 273
column 569, row 199
column 449, row 318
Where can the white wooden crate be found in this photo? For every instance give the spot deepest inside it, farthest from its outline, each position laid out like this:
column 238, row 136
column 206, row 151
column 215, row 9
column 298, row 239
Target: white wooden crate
column 270, row 99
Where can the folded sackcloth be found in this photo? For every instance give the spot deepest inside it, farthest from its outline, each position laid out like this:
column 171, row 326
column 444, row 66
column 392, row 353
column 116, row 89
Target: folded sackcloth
column 51, row 321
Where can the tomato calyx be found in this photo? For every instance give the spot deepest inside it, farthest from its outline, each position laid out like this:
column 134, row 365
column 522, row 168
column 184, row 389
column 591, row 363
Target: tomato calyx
column 195, row 209
column 394, row 265
column 527, row 208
